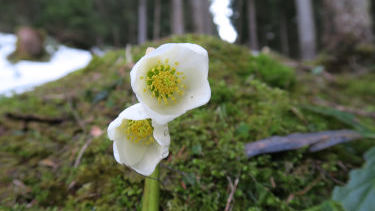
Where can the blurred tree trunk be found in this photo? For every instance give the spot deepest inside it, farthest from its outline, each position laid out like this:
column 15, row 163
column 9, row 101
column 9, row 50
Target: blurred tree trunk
column 177, row 17
column 197, row 15
column 115, row 36
column 284, row 32
column 346, row 23
column 142, row 21
column 252, row 25
column 240, row 20
column 306, row 29
column 157, row 13
column 202, row 20
column 207, row 17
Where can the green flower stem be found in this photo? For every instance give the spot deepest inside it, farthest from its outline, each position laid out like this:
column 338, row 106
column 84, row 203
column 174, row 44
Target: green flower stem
column 151, row 191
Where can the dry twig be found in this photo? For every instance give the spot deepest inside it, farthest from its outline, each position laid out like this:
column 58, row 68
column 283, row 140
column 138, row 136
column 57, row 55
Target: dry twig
column 84, row 147
column 233, row 188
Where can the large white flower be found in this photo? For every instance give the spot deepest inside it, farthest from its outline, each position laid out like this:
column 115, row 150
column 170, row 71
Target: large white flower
column 171, row 80
column 139, row 142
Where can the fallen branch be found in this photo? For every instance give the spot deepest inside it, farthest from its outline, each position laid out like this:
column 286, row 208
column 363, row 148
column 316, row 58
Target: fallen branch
column 318, row 141
column 33, row 118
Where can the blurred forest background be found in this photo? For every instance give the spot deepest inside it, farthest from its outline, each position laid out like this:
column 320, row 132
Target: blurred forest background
column 300, row 72
column 296, row 28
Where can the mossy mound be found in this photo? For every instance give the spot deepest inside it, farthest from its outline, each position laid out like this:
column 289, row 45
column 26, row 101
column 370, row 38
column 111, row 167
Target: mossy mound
column 207, row 151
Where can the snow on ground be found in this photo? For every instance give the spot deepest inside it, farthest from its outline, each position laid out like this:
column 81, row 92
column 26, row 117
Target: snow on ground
column 25, row 75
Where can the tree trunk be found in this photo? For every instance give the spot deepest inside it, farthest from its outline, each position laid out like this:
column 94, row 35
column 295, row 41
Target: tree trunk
column 157, row 13
column 197, row 15
column 177, row 17
column 142, row 21
column 240, row 20
column 207, row 17
column 306, row 29
column 284, row 32
column 346, row 22
column 202, row 19
column 252, row 25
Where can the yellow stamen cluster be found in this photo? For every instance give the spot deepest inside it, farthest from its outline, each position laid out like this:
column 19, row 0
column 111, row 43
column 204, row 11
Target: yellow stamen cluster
column 139, row 130
column 164, row 82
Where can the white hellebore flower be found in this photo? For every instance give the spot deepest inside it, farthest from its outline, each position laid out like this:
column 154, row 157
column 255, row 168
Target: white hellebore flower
column 139, row 142
column 171, row 80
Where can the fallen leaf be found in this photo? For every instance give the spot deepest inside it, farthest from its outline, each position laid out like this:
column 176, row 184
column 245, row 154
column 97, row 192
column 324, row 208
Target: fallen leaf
column 96, row 131
column 48, row 162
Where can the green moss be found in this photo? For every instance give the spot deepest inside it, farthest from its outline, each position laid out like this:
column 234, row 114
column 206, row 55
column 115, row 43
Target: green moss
column 273, row 72
column 207, row 143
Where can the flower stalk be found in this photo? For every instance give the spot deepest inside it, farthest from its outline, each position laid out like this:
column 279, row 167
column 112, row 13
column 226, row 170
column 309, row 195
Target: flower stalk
column 151, row 192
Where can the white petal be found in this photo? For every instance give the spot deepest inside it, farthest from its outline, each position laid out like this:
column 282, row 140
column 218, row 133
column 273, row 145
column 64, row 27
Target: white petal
column 143, row 158
column 130, row 152
column 115, row 153
column 197, row 96
column 160, row 118
column 134, row 112
column 154, row 154
column 112, row 130
column 161, row 133
column 193, row 62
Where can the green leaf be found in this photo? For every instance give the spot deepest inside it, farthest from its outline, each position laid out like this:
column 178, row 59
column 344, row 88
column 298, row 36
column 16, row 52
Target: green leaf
column 359, row 193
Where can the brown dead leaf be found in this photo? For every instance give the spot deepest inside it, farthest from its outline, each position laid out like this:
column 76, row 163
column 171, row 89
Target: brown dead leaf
column 183, row 185
column 96, row 131
column 48, row 163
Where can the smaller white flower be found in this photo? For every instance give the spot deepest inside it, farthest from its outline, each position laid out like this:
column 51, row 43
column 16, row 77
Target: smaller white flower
column 171, row 80
column 139, row 142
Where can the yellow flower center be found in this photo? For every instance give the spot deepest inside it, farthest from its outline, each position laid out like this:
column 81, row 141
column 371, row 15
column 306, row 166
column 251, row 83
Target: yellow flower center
column 164, row 82
column 137, row 130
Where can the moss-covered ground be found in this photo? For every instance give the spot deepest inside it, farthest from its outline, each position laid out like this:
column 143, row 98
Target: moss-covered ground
column 252, row 98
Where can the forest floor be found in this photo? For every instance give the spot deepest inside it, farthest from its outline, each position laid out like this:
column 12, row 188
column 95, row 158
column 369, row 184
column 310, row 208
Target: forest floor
column 55, row 154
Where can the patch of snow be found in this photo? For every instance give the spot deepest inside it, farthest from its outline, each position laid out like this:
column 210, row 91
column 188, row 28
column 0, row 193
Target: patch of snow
column 25, row 75
column 222, row 12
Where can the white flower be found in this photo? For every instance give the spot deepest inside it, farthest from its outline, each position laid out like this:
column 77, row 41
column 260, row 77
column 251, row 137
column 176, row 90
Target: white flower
column 139, row 142
column 171, row 80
